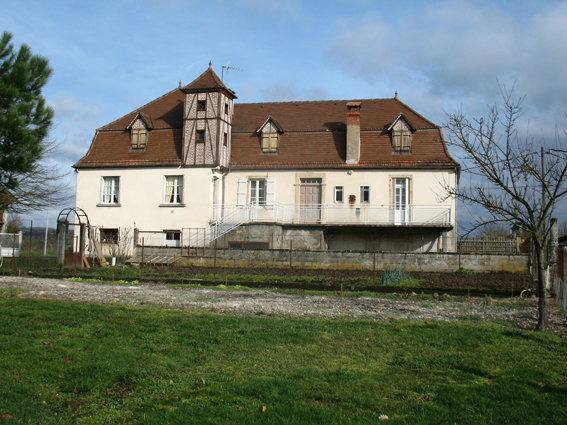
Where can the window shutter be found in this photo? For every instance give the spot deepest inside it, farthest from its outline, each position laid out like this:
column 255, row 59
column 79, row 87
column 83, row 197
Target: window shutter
column 271, row 192
column 241, row 194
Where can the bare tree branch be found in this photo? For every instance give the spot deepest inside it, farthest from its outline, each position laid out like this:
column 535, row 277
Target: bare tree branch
column 516, row 180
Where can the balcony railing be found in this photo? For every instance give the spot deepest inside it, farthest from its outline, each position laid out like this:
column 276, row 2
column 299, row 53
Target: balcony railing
column 335, row 214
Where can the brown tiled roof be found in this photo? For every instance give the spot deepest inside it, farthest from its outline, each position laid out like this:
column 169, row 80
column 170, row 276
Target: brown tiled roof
column 327, row 150
column 314, row 135
column 112, row 148
column 165, row 112
column 328, row 115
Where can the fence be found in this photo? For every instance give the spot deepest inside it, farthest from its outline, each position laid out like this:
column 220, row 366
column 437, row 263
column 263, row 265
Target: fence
column 11, row 244
column 484, row 245
column 560, row 282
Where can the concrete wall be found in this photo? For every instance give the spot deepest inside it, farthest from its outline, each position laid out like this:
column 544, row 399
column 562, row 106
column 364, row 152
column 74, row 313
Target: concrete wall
column 337, row 238
column 410, row 262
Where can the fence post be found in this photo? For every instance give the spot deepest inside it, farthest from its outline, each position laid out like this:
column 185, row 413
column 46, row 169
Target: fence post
column 290, row 259
column 142, row 262
column 215, row 260
column 29, row 248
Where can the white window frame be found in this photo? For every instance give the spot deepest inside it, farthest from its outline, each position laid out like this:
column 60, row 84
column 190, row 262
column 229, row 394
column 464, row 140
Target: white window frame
column 173, row 190
column 339, row 190
column 110, row 190
column 365, row 190
column 258, row 189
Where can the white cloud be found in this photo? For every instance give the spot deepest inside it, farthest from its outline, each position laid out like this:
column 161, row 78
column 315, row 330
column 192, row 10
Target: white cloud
column 74, row 124
column 461, row 49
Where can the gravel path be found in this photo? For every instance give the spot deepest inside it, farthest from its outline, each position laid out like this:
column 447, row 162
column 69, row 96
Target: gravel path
column 521, row 312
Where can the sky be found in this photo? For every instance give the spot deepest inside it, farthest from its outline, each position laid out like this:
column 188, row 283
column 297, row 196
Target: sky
column 110, row 57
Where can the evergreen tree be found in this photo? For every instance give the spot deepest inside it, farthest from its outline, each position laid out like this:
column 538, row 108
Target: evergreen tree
column 24, row 120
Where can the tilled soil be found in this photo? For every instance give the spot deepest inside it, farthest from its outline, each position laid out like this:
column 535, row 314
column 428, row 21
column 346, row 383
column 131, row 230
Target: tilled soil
column 520, row 312
column 514, row 282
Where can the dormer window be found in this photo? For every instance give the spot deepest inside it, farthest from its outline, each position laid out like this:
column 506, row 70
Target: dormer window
column 269, row 136
column 401, row 131
column 139, row 131
column 138, row 138
column 269, row 142
column 401, row 140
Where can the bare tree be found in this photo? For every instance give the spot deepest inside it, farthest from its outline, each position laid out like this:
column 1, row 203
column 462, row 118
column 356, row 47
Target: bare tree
column 38, row 188
column 514, row 179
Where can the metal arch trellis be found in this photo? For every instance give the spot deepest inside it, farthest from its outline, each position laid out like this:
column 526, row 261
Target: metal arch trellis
column 63, row 216
column 63, row 223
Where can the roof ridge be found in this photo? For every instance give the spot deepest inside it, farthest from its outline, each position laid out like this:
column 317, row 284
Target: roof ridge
column 138, row 109
column 315, row 101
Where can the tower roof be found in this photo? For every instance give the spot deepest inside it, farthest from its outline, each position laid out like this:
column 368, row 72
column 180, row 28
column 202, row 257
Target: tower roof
column 206, row 82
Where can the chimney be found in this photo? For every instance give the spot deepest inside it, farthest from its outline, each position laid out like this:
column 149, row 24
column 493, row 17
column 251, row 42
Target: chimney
column 353, row 133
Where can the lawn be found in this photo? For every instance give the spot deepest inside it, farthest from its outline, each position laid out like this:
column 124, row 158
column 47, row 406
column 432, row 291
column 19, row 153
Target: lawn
column 84, row 363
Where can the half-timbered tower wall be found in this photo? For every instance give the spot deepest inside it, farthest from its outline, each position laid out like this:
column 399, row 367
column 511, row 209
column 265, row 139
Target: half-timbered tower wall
column 207, row 129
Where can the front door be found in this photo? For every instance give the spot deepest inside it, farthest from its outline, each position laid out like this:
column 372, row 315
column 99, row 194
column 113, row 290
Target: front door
column 310, row 200
column 401, row 201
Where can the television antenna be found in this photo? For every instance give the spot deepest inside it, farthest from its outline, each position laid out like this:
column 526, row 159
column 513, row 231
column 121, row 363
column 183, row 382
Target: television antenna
column 227, row 67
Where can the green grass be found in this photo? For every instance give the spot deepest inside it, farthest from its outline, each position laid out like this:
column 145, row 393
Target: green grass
column 83, row 363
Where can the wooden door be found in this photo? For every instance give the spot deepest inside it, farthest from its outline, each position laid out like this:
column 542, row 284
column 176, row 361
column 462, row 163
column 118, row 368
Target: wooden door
column 310, row 200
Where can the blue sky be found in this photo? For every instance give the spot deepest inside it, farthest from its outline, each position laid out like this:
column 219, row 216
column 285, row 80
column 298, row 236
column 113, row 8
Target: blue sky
column 112, row 56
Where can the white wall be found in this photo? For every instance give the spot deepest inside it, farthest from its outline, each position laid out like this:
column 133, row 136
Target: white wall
column 426, row 186
column 142, row 198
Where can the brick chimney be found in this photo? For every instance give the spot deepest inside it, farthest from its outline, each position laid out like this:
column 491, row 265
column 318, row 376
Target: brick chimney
column 353, row 133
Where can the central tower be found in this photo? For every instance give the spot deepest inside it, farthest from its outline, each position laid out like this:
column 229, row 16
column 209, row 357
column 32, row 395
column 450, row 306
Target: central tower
column 207, row 121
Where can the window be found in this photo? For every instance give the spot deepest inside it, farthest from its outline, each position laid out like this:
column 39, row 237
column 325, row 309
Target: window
column 200, row 135
column 109, row 236
column 401, row 140
column 226, row 108
column 225, row 139
column 269, row 142
column 173, row 189
column 364, row 193
column 138, row 138
column 172, row 235
column 339, row 194
column 201, row 105
column 110, row 190
column 258, row 192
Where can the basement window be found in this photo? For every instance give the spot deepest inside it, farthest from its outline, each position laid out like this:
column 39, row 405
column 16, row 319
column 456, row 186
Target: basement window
column 109, row 236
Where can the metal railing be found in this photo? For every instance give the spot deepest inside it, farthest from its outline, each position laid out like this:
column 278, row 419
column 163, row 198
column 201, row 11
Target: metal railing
column 335, row 214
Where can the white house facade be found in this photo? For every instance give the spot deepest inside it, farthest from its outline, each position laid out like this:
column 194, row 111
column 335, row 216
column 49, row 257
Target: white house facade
column 195, row 168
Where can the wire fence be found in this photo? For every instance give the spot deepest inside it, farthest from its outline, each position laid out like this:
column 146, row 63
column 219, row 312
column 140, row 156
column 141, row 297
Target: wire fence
column 487, row 245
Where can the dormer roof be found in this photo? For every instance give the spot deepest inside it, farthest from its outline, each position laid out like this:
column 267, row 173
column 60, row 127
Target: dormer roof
column 401, row 117
column 144, row 117
column 208, row 81
column 270, row 119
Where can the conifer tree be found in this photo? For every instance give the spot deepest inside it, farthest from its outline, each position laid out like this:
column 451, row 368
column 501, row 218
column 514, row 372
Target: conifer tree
column 24, row 124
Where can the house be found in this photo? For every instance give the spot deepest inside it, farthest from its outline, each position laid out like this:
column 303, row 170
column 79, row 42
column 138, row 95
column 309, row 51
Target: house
column 193, row 167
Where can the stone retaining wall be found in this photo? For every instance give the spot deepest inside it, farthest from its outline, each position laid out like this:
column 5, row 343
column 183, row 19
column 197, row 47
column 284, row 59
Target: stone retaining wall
column 354, row 260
